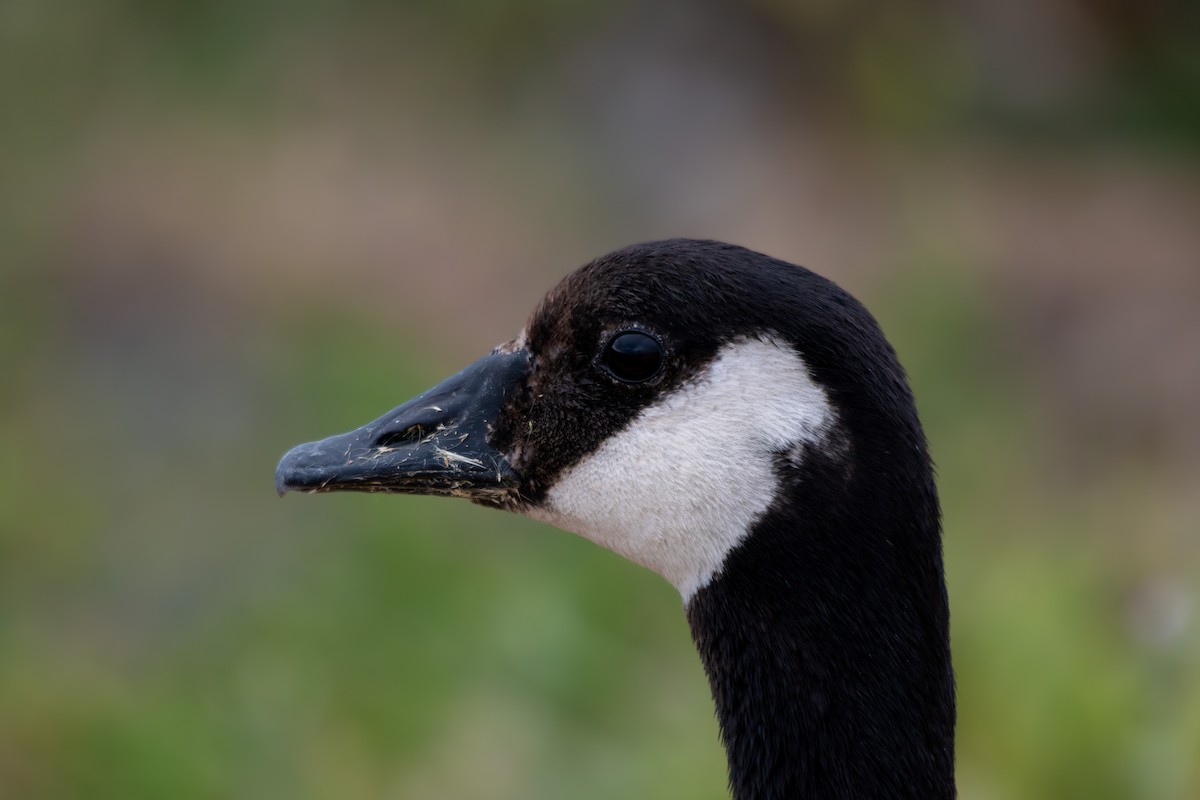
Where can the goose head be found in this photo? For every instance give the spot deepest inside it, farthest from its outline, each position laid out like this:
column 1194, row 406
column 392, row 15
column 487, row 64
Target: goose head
column 740, row 426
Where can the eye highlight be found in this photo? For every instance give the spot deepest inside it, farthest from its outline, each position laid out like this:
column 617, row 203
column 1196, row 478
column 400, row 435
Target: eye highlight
column 633, row 357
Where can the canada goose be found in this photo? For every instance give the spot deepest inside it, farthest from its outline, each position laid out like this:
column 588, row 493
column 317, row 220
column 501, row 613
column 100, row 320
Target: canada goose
column 739, row 425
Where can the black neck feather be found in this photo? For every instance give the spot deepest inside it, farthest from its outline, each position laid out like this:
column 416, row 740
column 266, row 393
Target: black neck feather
column 825, row 640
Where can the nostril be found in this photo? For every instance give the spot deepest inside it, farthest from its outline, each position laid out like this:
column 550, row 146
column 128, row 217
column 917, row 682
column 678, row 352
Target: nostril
column 410, row 435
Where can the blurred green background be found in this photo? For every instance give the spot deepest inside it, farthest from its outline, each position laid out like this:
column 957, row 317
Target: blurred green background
column 229, row 227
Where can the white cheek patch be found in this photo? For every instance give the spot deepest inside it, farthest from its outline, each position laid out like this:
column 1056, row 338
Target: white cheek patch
column 682, row 485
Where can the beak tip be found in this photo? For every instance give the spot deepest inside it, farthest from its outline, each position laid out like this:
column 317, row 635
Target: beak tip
column 286, row 471
column 281, row 483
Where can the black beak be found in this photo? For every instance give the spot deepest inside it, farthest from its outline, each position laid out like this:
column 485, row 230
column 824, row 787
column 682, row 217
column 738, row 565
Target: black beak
column 436, row 443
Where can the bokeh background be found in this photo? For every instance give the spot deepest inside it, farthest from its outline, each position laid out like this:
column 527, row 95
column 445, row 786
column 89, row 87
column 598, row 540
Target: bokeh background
column 228, row 227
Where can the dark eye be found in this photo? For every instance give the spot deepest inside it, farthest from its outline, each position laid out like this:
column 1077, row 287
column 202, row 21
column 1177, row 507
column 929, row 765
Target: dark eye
column 633, row 357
